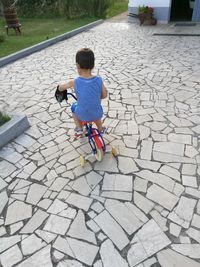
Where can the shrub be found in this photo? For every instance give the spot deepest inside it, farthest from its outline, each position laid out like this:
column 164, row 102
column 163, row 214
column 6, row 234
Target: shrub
column 145, row 9
column 3, row 118
column 69, row 8
column 2, row 38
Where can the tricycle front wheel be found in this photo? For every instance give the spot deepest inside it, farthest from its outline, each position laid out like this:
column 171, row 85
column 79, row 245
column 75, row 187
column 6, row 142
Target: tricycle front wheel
column 99, row 154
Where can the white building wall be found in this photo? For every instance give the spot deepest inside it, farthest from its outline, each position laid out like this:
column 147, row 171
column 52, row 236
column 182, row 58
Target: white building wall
column 161, row 8
column 155, row 3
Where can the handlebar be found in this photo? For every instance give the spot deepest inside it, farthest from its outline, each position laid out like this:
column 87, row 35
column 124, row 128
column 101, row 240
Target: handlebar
column 71, row 94
column 63, row 95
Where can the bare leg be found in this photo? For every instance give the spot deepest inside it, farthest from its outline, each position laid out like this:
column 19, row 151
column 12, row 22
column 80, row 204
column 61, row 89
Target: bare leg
column 76, row 121
column 99, row 125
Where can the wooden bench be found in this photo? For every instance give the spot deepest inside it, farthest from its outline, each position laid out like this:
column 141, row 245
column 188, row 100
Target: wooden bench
column 16, row 27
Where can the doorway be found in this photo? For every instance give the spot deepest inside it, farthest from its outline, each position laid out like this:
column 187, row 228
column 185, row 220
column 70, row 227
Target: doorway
column 181, row 10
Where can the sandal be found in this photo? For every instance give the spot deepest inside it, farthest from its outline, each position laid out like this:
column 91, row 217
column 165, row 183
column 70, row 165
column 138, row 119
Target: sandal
column 103, row 131
column 78, row 131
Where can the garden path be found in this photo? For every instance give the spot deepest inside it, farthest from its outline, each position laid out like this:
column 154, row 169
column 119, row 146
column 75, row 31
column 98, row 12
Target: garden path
column 139, row 209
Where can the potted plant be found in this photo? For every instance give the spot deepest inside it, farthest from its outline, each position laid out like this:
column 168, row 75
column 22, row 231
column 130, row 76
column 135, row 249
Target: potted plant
column 4, row 118
column 145, row 13
column 10, row 14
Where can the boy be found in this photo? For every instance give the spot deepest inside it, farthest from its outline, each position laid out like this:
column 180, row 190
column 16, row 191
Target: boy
column 89, row 91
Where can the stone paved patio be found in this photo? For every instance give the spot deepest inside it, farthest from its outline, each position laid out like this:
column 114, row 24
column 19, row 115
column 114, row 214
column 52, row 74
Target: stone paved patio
column 139, row 209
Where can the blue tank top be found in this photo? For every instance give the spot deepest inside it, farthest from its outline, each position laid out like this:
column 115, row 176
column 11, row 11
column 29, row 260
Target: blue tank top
column 88, row 93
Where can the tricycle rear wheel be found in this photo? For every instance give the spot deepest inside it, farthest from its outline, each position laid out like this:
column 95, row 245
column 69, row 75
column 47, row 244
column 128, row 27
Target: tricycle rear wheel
column 99, row 154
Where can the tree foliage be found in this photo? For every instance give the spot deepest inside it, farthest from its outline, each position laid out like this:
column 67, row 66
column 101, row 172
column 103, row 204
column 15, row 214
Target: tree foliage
column 68, row 8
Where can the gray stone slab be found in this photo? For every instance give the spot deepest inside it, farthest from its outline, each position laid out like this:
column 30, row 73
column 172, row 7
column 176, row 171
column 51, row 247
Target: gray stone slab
column 183, row 212
column 11, row 256
column 190, row 250
column 79, row 250
column 168, row 157
column 169, row 148
column 146, row 242
column 171, row 172
column 159, row 219
column 81, row 186
column 189, row 181
column 112, row 229
column 3, row 184
column 174, row 229
column 40, row 258
column 162, row 197
column 146, row 150
column 79, row 201
column 40, row 173
column 46, row 236
column 15, row 227
column 57, row 207
column 157, row 178
column 25, row 140
column 127, row 165
column 6, row 169
column 110, row 256
column 117, row 195
column 180, row 138
column 35, row 193
column 7, row 242
column 147, row 164
column 56, row 224
column 31, row 244
column 117, row 182
column 169, row 257
column 124, row 216
column 196, row 221
column 109, row 164
column 18, row 211
column 79, row 230
column 69, row 263
column 142, row 202
column 140, row 184
column 13, row 157
column 194, row 234
column 59, row 184
column 37, row 219
column 3, row 200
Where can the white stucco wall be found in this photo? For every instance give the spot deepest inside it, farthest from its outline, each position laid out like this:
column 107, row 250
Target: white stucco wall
column 153, row 3
column 161, row 8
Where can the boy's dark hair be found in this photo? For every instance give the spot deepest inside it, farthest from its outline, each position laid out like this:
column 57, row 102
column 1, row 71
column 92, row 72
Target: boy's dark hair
column 85, row 58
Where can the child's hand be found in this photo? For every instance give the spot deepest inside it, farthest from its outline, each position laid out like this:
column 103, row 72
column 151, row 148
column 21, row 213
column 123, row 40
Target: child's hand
column 65, row 86
column 60, row 95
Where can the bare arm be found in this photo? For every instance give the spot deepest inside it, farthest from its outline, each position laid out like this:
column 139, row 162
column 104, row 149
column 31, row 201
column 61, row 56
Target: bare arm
column 65, row 86
column 104, row 92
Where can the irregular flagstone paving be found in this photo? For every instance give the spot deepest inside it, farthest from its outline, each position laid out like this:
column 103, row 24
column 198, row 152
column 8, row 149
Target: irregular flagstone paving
column 141, row 208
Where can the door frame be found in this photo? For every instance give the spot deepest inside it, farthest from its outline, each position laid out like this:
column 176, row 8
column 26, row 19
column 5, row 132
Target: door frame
column 170, row 9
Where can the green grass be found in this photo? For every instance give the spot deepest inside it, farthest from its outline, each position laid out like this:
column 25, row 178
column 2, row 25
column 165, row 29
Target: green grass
column 35, row 30
column 3, row 118
column 119, row 6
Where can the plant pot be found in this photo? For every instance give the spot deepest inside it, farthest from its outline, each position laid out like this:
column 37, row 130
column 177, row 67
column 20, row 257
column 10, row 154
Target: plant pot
column 144, row 17
column 147, row 18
